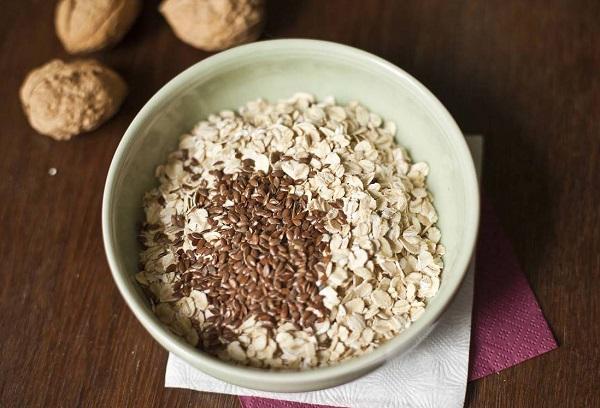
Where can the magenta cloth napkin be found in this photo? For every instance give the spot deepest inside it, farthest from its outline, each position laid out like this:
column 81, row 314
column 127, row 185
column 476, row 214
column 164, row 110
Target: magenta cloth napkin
column 508, row 324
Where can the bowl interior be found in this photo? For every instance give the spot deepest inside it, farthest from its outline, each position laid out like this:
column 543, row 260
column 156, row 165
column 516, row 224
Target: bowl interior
column 275, row 70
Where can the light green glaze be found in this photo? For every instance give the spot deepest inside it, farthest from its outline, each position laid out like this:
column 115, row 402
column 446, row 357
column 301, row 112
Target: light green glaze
column 274, row 70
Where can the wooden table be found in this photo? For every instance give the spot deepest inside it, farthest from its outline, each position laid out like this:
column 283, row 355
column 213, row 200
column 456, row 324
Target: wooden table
column 524, row 74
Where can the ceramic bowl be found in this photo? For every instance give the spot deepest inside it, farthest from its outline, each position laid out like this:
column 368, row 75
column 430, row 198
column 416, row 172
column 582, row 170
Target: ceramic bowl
column 275, row 70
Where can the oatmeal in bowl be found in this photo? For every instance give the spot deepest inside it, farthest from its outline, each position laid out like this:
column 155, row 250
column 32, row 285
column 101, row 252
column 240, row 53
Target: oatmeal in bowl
column 293, row 234
column 298, row 241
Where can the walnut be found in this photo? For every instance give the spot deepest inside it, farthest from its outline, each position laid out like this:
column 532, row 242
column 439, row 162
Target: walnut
column 214, row 24
column 90, row 25
column 62, row 99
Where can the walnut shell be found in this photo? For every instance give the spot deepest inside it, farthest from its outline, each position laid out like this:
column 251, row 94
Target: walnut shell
column 90, row 25
column 215, row 24
column 62, row 100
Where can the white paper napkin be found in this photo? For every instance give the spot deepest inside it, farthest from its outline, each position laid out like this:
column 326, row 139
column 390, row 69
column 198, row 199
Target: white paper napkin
column 433, row 374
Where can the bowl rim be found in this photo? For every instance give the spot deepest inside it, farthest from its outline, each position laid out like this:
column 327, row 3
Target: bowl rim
column 199, row 359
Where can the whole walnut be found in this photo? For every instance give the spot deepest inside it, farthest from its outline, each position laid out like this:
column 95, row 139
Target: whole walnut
column 62, row 100
column 90, row 25
column 215, row 24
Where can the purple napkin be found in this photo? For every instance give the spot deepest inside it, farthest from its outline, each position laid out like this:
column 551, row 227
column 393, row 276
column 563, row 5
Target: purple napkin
column 508, row 324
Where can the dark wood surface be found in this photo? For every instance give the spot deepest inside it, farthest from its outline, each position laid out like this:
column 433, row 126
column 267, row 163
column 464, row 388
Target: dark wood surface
column 523, row 73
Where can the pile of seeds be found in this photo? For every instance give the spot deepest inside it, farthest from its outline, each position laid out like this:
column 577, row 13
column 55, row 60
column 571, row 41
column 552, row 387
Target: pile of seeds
column 294, row 235
column 260, row 255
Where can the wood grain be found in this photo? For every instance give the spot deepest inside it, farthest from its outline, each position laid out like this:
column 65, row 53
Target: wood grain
column 524, row 74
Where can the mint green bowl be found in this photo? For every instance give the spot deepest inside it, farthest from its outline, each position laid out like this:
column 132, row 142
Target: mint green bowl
column 274, row 70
